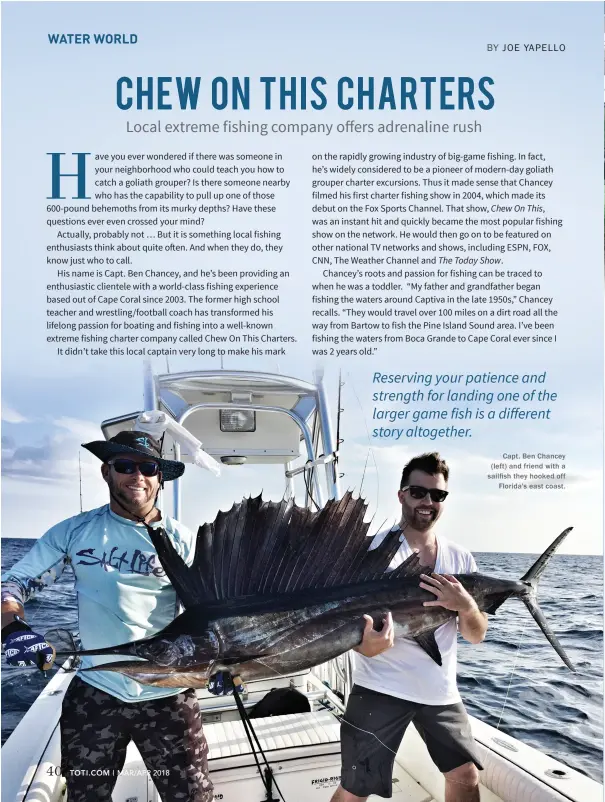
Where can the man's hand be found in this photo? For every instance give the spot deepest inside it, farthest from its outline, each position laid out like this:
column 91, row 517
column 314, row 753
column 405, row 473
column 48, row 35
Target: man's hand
column 373, row 642
column 449, row 592
column 452, row 595
column 222, row 684
column 24, row 647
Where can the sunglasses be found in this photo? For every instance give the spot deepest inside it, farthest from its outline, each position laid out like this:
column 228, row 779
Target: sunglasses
column 129, row 466
column 418, row 492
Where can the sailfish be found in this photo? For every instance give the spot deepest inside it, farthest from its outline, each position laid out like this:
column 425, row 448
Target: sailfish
column 275, row 588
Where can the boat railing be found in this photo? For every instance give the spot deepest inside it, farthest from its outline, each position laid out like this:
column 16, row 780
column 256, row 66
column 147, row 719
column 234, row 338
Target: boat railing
column 306, row 436
column 337, row 674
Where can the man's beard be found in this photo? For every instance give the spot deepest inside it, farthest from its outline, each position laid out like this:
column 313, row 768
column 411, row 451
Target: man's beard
column 126, row 502
column 418, row 521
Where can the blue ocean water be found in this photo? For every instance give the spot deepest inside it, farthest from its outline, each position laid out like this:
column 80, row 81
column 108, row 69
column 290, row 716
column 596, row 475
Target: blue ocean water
column 513, row 680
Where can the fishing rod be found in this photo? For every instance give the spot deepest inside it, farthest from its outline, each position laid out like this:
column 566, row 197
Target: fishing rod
column 268, row 778
column 338, row 415
column 370, row 448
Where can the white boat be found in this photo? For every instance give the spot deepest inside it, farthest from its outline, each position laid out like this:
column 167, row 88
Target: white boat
column 244, row 417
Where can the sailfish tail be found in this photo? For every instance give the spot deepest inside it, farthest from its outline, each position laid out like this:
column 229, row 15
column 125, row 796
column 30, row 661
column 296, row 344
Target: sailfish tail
column 532, row 578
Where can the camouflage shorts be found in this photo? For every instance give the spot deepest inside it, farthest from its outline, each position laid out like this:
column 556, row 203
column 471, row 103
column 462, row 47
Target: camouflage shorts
column 97, row 727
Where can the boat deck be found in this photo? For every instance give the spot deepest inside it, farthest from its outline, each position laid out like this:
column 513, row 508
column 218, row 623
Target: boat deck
column 303, row 750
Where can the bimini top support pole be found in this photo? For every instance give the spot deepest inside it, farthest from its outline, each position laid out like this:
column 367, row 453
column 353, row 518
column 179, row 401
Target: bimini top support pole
column 150, row 394
column 150, row 402
column 329, row 444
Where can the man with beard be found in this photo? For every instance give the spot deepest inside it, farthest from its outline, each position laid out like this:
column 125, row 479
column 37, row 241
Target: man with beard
column 123, row 595
column 396, row 681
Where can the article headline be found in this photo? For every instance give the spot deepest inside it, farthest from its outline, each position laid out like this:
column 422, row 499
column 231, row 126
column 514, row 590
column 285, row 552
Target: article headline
column 364, row 93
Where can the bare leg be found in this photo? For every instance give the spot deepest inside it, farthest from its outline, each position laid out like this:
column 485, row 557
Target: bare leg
column 341, row 795
column 462, row 784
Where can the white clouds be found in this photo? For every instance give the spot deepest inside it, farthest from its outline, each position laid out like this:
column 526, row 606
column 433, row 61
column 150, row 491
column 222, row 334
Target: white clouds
column 53, row 455
column 10, row 415
column 82, row 430
column 41, row 475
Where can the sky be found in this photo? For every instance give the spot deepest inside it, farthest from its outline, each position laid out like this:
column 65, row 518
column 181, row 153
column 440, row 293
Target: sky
column 62, row 98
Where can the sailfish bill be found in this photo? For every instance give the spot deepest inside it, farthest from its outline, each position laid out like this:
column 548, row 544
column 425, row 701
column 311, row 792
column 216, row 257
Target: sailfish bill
column 275, row 588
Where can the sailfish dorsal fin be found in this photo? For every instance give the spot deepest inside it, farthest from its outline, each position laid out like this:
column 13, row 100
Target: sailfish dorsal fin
column 264, row 547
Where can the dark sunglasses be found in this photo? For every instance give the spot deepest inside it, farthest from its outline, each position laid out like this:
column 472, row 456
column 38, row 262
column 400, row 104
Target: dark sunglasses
column 125, row 465
column 418, row 492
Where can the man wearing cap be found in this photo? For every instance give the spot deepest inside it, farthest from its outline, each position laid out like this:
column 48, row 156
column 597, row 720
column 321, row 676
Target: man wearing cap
column 123, row 595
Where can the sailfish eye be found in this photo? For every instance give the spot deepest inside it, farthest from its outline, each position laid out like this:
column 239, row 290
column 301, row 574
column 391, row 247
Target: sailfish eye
column 162, row 652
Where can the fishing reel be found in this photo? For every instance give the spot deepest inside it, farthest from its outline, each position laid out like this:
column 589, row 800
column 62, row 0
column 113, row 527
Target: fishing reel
column 62, row 640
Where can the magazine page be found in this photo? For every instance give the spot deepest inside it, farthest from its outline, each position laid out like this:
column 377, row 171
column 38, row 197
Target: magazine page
column 302, row 372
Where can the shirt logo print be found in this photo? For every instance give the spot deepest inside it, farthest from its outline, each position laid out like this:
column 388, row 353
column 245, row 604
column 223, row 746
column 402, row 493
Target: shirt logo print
column 137, row 563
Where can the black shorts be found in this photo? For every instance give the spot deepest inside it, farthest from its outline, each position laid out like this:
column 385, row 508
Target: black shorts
column 372, row 729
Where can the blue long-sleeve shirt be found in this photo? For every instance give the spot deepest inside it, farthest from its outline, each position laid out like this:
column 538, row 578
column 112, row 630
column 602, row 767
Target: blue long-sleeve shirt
column 123, row 592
